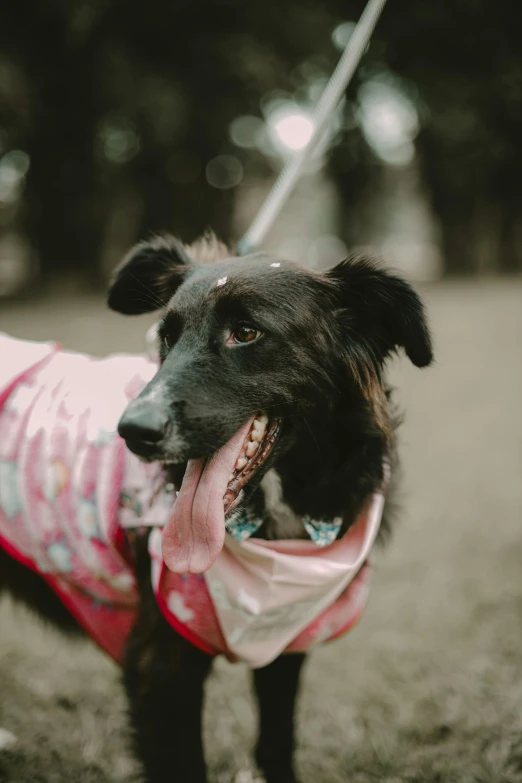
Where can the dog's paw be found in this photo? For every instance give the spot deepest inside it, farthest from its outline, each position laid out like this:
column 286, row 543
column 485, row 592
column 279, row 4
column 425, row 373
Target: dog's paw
column 7, row 739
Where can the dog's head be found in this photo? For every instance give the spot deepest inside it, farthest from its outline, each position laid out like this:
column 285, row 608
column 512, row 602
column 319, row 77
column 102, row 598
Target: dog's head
column 245, row 344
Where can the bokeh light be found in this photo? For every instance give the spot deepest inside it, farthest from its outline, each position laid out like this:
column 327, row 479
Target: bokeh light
column 389, row 121
column 342, row 34
column 224, row 171
column 294, row 130
column 119, row 140
column 290, row 127
column 14, row 165
column 245, row 131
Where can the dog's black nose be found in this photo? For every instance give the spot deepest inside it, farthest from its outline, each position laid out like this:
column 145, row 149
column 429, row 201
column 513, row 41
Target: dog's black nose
column 143, row 427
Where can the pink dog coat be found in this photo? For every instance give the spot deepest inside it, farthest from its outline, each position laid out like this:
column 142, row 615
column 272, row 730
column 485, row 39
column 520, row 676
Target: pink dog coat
column 69, row 489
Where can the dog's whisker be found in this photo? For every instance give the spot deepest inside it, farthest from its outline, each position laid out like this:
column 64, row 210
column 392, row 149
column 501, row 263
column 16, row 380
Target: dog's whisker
column 147, row 301
column 154, row 297
column 313, row 437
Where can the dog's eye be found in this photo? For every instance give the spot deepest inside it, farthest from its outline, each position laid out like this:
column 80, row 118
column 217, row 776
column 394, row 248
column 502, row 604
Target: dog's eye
column 245, row 334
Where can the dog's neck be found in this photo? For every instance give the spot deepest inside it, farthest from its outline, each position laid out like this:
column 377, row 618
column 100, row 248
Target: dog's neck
column 332, row 467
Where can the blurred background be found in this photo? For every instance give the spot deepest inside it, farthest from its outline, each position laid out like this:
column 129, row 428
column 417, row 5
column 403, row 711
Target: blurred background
column 118, row 119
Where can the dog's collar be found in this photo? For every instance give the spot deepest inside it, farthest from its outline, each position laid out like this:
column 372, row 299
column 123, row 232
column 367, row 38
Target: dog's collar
column 146, row 503
column 138, row 511
column 138, row 508
column 146, row 499
column 242, row 524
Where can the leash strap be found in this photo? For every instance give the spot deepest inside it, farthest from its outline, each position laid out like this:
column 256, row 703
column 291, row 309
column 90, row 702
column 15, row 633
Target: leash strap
column 327, row 104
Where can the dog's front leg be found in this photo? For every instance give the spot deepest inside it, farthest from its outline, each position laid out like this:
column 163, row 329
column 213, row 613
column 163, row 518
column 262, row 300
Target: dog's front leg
column 276, row 687
column 164, row 677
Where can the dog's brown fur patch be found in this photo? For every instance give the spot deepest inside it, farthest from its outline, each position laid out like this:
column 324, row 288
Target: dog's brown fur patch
column 208, row 249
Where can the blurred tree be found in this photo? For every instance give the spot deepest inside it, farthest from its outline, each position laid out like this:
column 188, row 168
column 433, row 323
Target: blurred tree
column 121, row 107
column 64, row 205
column 464, row 61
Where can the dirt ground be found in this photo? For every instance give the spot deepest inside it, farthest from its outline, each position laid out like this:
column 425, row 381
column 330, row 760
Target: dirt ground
column 428, row 687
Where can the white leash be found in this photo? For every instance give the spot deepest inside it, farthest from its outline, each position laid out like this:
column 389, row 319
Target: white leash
column 328, row 101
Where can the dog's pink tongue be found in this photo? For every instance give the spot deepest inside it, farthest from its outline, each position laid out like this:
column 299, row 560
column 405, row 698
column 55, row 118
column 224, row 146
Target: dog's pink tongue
column 195, row 531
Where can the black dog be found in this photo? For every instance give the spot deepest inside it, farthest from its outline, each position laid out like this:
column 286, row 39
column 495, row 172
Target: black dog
column 237, row 337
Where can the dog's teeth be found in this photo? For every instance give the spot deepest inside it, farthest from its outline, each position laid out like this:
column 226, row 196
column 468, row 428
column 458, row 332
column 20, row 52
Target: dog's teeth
column 231, row 477
column 251, row 448
column 259, row 428
column 240, row 463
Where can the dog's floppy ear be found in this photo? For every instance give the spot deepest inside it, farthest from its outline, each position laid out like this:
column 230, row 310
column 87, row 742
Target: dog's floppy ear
column 382, row 309
column 148, row 276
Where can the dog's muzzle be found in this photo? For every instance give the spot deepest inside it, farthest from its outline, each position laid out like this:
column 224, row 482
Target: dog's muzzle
column 144, row 427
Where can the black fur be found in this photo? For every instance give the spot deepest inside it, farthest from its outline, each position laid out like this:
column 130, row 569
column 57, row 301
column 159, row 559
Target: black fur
column 146, row 277
column 382, row 311
column 318, row 365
